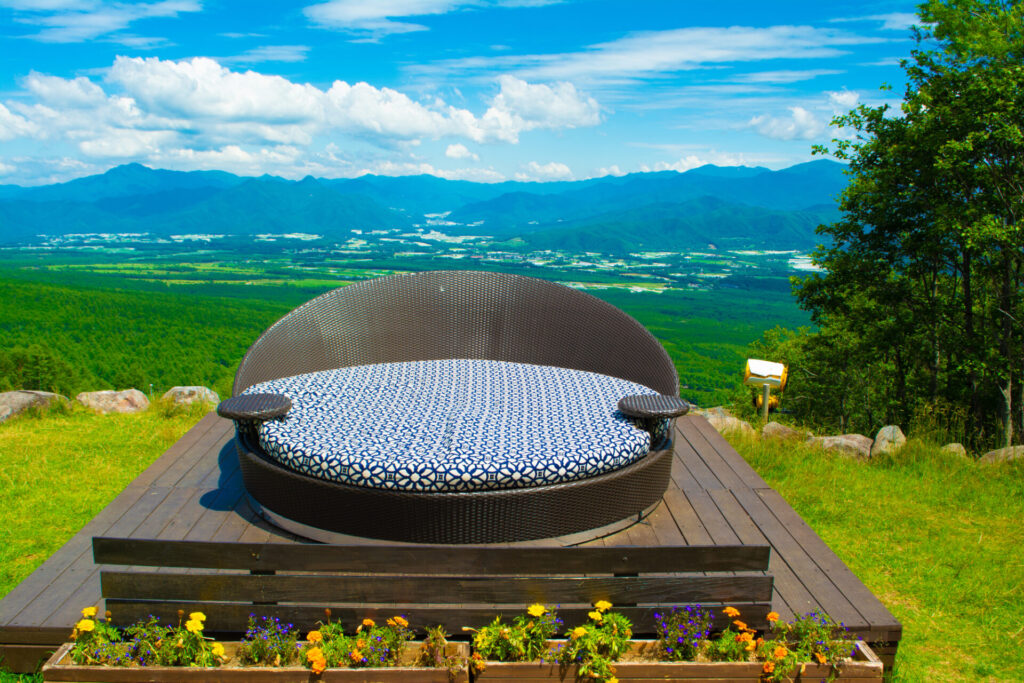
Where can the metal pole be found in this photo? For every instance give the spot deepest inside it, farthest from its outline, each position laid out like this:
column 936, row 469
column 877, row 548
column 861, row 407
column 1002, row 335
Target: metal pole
column 765, row 393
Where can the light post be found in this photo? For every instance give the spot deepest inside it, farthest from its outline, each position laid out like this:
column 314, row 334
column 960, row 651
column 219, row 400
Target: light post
column 764, row 374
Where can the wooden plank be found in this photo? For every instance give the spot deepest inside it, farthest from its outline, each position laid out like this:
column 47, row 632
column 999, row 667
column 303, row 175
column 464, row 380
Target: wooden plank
column 686, row 519
column 703, row 476
column 440, row 589
column 441, row 559
column 728, row 454
column 210, row 439
column 709, row 456
column 232, row 617
column 209, row 461
column 869, row 606
column 24, row 658
column 177, row 450
column 712, row 519
column 681, row 476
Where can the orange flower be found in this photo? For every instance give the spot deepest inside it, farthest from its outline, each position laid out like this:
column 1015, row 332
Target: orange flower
column 318, row 665
column 731, row 612
column 745, row 637
column 820, row 657
column 356, row 656
column 314, row 636
column 780, row 652
column 402, row 621
column 314, row 653
column 740, row 625
column 369, row 623
column 751, row 646
column 768, row 667
column 772, row 617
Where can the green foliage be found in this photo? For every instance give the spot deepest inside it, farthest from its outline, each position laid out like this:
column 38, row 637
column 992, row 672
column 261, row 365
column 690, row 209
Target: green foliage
column 524, row 640
column 35, row 367
column 372, row 645
column 814, row 637
column 682, row 632
column 145, row 643
column 595, row 647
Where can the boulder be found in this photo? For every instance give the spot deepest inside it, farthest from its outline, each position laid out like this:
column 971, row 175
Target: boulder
column 780, row 432
column 855, row 445
column 14, row 402
column 1003, row 455
column 888, row 440
column 717, row 411
column 127, row 401
column 728, row 424
column 185, row 395
column 955, row 449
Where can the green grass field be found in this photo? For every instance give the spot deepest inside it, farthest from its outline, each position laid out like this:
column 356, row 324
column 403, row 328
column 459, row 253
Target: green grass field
column 936, row 537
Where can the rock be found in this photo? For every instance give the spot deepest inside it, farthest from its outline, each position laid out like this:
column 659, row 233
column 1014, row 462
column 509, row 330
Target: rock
column 780, row 432
column 888, row 440
column 1003, row 455
column 725, row 425
column 127, row 401
column 14, row 402
column 955, row 449
column 856, row 445
column 717, row 411
column 186, row 395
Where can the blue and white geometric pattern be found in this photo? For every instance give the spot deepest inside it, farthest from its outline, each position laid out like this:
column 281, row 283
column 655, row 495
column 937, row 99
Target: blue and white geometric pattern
column 454, row 425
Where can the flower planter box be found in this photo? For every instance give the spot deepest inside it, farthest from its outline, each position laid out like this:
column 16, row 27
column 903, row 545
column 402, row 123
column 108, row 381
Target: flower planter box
column 865, row 667
column 60, row 668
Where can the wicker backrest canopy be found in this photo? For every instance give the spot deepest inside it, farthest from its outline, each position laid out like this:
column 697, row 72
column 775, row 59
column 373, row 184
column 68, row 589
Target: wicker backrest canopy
column 458, row 314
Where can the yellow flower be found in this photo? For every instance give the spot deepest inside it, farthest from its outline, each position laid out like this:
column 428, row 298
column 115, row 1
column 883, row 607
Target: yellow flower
column 745, row 637
column 780, row 652
column 820, row 657
column 277, row 660
column 751, row 646
column 596, row 616
column 217, row 649
column 740, row 625
column 768, row 667
column 193, row 626
column 579, row 632
column 356, row 656
column 314, row 636
column 772, row 617
column 314, row 653
column 402, row 621
column 603, row 606
column 89, row 612
column 369, row 623
column 197, row 616
column 613, row 679
column 536, row 610
column 319, row 665
column 85, row 625
column 731, row 612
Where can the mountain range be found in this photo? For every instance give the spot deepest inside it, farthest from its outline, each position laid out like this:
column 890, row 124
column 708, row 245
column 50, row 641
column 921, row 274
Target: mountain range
column 737, row 206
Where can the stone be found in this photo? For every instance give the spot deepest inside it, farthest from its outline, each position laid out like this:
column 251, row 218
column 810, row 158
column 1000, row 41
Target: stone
column 717, row 411
column 780, row 432
column 14, row 402
column 855, row 445
column 888, row 440
column 127, row 401
column 194, row 394
column 1003, row 455
column 955, row 449
column 728, row 424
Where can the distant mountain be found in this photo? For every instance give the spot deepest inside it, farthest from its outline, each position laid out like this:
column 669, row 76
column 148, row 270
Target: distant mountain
column 745, row 205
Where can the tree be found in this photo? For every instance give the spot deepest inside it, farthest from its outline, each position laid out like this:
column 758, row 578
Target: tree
column 925, row 265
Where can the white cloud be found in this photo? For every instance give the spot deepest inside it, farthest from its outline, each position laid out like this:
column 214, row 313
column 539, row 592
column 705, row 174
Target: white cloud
column 6, row 169
column 460, row 151
column 525, row 106
column 376, row 18
column 71, row 21
column 612, row 170
column 269, row 53
column 78, row 92
column 650, row 54
column 398, row 168
column 126, row 143
column 893, row 21
column 540, row 172
column 15, row 126
column 786, row 76
column 843, row 100
column 703, row 158
column 799, row 124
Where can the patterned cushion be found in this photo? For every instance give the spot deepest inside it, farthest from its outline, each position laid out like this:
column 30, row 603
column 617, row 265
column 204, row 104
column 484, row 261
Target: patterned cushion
column 454, row 425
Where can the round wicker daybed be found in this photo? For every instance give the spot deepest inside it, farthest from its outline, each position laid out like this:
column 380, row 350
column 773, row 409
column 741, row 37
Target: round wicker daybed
column 454, row 407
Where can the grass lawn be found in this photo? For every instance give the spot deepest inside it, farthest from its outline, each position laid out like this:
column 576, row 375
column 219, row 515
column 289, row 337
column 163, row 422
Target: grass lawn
column 936, row 537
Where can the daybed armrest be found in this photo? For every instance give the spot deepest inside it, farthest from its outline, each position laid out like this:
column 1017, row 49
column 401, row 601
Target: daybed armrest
column 654, row 406
column 255, row 407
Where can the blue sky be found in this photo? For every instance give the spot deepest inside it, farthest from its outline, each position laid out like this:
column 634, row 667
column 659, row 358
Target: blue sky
column 483, row 90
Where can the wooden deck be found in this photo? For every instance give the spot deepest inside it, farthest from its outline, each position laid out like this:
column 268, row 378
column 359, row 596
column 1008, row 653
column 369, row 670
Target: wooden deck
column 194, row 492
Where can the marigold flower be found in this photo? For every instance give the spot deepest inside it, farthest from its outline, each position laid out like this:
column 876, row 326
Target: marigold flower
column 314, row 636
column 536, row 610
column 193, row 626
column 579, row 632
column 768, row 667
column 751, row 646
column 820, row 657
column 603, row 606
column 402, row 621
column 369, row 623
column 772, row 617
column 740, row 625
column 745, row 637
column 217, row 649
column 596, row 616
column 85, row 625
column 314, row 653
column 197, row 616
column 731, row 612
column 780, row 652
column 356, row 656
column 89, row 612
column 318, row 665
column 277, row 660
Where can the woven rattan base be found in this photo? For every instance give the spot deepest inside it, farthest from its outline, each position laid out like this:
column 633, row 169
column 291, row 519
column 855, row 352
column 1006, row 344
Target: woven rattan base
column 471, row 517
